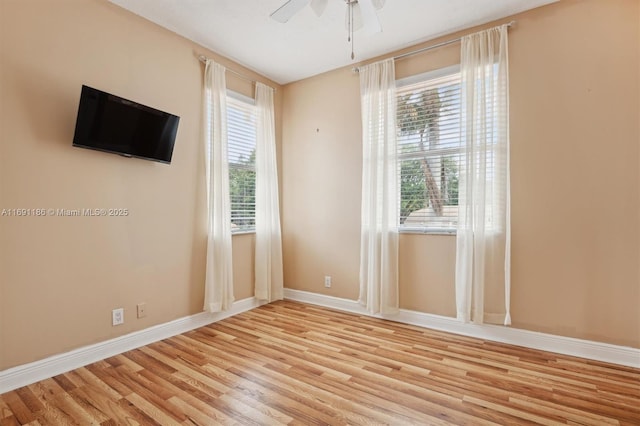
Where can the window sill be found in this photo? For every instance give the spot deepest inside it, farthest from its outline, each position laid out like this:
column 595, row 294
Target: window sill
column 248, row 231
column 428, row 231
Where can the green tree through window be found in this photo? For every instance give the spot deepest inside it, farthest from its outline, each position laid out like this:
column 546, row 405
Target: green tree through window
column 428, row 121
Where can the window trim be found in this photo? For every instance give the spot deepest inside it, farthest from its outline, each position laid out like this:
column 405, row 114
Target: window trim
column 407, row 81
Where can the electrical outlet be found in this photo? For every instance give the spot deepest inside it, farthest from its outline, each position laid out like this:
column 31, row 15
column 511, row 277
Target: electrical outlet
column 327, row 281
column 142, row 309
column 117, row 316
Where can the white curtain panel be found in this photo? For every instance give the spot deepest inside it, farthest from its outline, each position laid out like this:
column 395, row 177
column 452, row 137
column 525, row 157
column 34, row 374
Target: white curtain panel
column 483, row 237
column 379, row 222
column 218, row 294
column 268, row 254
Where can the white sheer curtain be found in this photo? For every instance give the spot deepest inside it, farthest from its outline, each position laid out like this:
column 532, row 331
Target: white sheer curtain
column 218, row 294
column 379, row 222
column 483, row 238
column 268, row 260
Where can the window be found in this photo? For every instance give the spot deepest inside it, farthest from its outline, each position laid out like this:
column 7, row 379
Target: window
column 241, row 130
column 429, row 149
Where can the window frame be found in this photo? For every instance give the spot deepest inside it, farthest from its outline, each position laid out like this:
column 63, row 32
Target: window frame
column 407, row 81
column 235, row 97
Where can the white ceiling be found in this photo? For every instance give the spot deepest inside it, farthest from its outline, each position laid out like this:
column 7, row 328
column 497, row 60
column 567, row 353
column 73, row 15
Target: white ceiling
column 307, row 45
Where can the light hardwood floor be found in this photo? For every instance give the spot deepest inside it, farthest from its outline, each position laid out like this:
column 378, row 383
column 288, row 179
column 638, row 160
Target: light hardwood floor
column 291, row 363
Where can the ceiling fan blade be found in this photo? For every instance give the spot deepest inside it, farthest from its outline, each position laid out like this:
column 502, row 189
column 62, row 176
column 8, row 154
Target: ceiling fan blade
column 287, row 10
column 319, row 6
column 369, row 16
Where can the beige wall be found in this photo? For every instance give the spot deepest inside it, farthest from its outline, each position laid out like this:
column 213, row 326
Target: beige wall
column 60, row 277
column 575, row 178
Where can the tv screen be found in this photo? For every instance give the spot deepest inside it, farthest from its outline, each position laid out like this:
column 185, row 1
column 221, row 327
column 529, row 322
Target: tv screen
column 113, row 124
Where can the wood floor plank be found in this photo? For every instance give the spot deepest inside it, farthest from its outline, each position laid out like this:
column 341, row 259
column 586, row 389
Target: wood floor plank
column 289, row 363
column 52, row 412
column 9, row 421
column 241, row 366
column 223, row 375
column 572, row 414
column 153, row 411
column 18, row 408
column 5, row 411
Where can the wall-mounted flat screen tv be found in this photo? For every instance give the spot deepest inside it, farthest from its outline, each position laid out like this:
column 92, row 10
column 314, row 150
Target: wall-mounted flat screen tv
column 113, row 124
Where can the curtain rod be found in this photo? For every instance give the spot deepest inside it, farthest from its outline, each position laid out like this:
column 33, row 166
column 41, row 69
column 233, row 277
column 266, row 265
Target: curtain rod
column 424, row 49
column 204, row 59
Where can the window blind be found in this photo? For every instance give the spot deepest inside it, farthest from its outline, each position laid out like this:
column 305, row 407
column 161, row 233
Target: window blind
column 429, row 149
column 241, row 129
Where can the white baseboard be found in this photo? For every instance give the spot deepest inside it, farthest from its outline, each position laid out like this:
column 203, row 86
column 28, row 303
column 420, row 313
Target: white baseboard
column 621, row 355
column 26, row 374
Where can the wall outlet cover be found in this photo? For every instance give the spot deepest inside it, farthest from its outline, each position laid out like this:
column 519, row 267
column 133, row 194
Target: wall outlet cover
column 327, row 281
column 117, row 316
